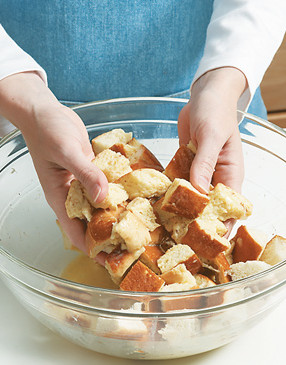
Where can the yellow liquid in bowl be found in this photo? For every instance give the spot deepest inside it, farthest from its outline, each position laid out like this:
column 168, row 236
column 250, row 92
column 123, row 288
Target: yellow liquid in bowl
column 84, row 270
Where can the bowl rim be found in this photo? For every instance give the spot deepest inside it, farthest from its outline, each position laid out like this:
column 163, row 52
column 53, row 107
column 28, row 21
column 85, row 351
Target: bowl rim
column 264, row 123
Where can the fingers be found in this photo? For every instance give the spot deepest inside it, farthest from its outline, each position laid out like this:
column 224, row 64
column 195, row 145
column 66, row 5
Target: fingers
column 100, row 258
column 91, row 177
column 73, row 228
column 183, row 125
column 204, row 163
column 230, row 166
column 229, row 225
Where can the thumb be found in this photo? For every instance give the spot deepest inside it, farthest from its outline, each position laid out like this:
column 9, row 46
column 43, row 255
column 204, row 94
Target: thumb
column 204, row 163
column 90, row 176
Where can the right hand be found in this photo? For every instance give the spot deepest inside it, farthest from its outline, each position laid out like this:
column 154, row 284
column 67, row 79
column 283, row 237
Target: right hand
column 58, row 143
column 61, row 151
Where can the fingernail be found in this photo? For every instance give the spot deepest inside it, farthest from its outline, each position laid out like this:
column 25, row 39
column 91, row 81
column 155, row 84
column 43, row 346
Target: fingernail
column 97, row 194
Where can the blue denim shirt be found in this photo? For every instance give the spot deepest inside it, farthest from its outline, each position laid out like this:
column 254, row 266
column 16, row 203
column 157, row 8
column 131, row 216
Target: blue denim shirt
column 93, row 50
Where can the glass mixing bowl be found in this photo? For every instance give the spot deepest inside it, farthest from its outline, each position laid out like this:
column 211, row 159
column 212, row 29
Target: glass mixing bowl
column 127, row 324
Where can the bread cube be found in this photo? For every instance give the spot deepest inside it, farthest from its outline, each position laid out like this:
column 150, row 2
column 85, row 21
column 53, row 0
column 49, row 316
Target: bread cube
column 108, row 139
column 141, row 278
column 163, row 217
column 180, row 164
column 203, row 281
column 204, row 240
column 249, row 244
column 180, row 275
column 222, row 265
column 77, row 205
column 145, row 183
column 150, row 257
column 133, row 232
column 138, row 155
column 99, row 235
column 116, row 195
column 275, row 251
column 143, row 210
column 242, row 270
column 226, row 203
column 183, row 199
column 112, row 164
column 176, row 255
column 119, row 261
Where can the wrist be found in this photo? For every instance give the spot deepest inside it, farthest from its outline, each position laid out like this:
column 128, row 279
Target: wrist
column 226, row 82
column 21, row 96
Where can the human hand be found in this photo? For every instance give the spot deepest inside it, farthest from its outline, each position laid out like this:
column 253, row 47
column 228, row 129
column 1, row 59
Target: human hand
column 61, row 151
column 209, row 120
column 59, row 146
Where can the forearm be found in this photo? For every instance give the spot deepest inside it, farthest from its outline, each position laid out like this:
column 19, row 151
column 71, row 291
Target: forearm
column 244, row 34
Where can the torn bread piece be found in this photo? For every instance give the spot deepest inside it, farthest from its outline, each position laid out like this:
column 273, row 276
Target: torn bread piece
column 108, row 139
column 179, row 254
column 132, row 231
column 119, row 261
column 183, row 199
column 180, row 275
column 176, row 225
column 249, row 244
column 219, row 266
column 228, row 252
column 116, row 195
column 150, row 257
column 141, row 278
column 275, row 251
column 222, row 265
column 112, row 164
column 203, row 281
column 180, row 164
column 145, row 183
column 225, row 203
column 138, row 155
column 163, row 217
column 202, row 237
column 143, row 210
column 159, row 236
column 99, row 235
column 77, row 205
column 242, row 270
column 154, row 250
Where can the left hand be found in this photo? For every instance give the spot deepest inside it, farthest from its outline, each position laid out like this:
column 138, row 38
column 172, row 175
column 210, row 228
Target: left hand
column 209, row 120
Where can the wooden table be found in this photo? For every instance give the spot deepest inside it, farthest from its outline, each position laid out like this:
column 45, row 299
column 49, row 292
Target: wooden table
column 273, row 88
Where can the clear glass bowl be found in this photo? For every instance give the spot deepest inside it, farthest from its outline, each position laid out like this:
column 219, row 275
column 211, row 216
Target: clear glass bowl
column 126, row 324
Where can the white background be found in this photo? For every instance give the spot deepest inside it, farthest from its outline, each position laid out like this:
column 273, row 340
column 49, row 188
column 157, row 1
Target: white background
column 25, row 341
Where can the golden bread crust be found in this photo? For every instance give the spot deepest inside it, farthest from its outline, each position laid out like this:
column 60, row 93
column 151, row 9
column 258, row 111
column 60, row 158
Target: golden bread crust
column 183, row 199
column 119, row 261
column 204, row 242
column 141, row 278
column 180, row 164
column 275, row 251
column 150, row 256
column 99, row 230
column 246, row 246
